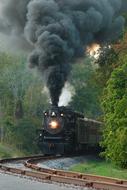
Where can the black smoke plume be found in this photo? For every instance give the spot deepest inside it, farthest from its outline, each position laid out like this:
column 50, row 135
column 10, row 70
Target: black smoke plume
column 60, row 31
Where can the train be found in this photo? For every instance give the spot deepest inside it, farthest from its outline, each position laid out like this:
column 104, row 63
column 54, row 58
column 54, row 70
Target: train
column 66, row 131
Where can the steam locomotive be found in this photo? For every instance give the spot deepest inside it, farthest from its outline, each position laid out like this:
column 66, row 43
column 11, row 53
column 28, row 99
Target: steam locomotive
column 65, row 131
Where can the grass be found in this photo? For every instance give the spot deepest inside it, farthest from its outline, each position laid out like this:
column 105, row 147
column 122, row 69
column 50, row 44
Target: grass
column 99, row 167
column 7, row 151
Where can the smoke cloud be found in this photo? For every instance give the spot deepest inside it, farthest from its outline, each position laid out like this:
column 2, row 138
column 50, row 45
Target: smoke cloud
column 60, row 31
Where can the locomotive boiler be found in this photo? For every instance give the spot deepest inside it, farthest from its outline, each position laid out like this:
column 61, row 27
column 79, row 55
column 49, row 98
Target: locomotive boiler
column 65, row 131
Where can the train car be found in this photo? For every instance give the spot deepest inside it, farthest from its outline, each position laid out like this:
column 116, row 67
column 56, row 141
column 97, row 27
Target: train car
column 89, row 133
column 65, row 131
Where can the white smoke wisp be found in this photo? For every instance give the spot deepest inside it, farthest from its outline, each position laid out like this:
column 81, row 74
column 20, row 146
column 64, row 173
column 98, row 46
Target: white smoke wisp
column 66, row 95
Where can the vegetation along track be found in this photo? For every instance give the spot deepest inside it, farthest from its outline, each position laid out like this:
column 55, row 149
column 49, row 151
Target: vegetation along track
column 54, row 175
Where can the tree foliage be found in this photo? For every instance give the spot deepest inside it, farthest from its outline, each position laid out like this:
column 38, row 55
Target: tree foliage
column 107, row 62
column 22, row 101
column 115, row 116
column 87, row 91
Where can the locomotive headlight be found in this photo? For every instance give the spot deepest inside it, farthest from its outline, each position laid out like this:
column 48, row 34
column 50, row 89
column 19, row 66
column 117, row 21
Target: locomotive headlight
column 53, row 125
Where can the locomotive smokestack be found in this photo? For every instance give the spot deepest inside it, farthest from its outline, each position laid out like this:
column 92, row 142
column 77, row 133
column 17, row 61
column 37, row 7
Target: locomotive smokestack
column 60, row 30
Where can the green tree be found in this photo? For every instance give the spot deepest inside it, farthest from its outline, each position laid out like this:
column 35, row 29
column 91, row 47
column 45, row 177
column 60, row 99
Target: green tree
column 87, row 91
column 115, row 116
column 22, row 101
column 107, row 62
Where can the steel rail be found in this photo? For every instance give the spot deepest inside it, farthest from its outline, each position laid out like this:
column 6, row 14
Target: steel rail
column 98, row 182
column 20, row 158
column 54, row 175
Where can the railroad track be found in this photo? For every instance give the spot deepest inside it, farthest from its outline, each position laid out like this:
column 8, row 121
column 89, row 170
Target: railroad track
column 60, row 176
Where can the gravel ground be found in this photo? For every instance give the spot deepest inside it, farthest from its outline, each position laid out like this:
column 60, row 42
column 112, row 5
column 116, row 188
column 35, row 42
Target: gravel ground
column 65, row 163
column 10, row 182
